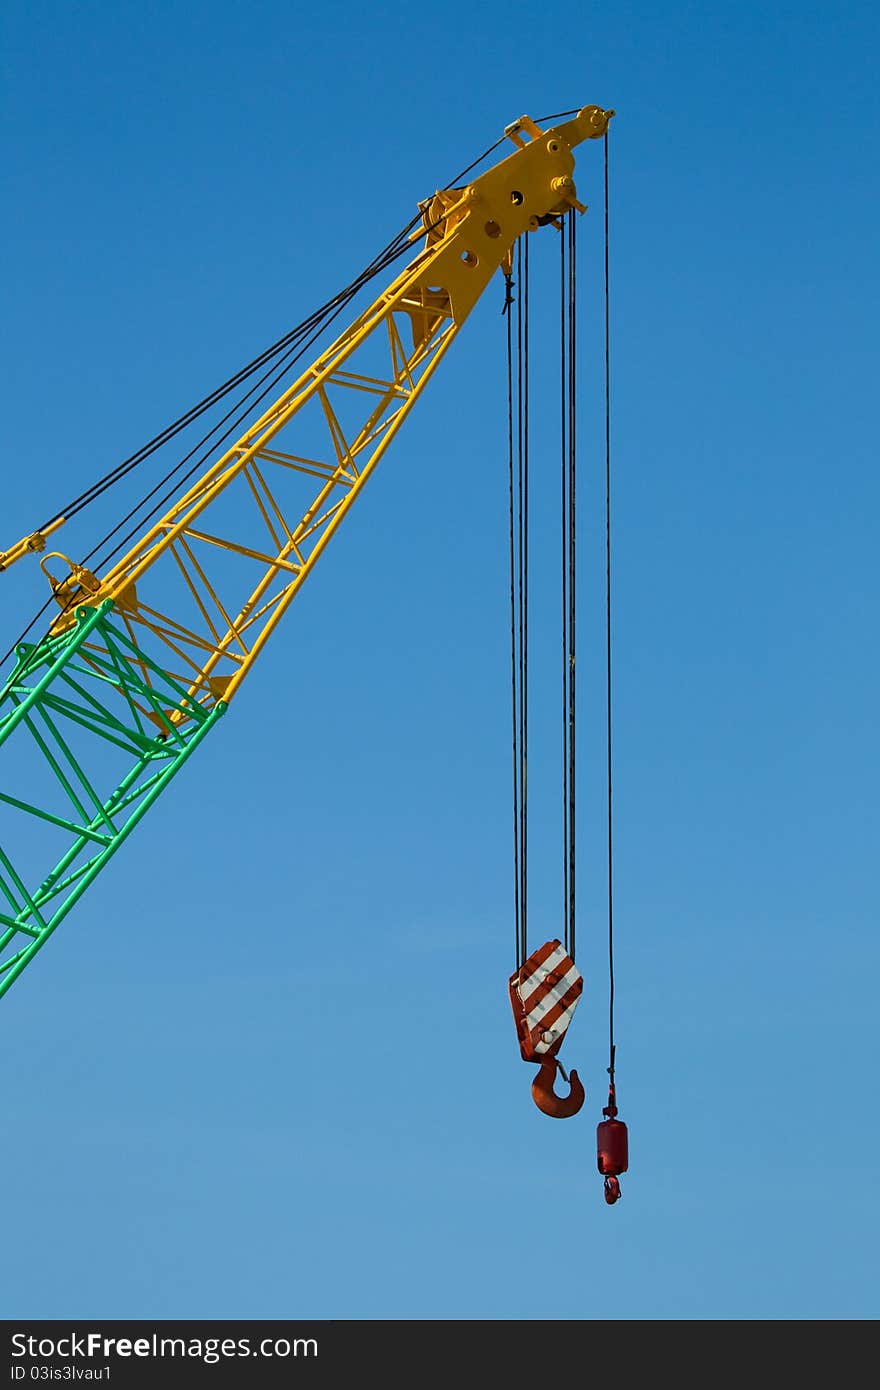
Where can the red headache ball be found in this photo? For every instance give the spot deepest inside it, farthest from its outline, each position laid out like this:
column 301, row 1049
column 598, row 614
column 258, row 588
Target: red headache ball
column 612, row 1147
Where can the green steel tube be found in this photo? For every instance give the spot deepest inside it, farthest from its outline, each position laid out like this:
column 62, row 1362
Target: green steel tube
column 84, row 628
column 98, row 863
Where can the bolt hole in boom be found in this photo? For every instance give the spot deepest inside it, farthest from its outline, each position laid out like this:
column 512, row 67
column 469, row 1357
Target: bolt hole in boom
column 492, row 229
column 469, row 258
column 516, row 198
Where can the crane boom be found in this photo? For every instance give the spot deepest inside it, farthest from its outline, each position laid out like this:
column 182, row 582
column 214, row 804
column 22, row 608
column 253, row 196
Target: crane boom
column 143, row 660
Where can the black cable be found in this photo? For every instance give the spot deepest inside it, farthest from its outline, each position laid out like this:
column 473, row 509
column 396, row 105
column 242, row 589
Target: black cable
column 122, row 469
column 524, row 694
column 523, row 535
column 519, row 540
column 311, row 327
column 518, row 545
column 572, row 570
column 273, row 376
column 317, row 323
column 557, row 115
column 554, row 116
column 563, row 433
column 395, row 248
column 513, row 682
column 22, row 635
column 453, row 183
column 611, row 1048
column 303, row 338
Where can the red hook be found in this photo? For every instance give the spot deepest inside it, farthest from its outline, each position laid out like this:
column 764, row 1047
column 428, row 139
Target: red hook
column 546, row 1099
column 612, row 1190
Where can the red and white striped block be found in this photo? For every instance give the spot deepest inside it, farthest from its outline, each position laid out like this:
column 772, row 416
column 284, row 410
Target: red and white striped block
column 543, row 994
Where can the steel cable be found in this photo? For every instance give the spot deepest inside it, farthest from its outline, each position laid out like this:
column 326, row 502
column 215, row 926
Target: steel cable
column 513, row 647
column 611, row 1046
column 572, row 571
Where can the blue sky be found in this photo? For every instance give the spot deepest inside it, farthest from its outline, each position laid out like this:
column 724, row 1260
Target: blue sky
column 268, row 1068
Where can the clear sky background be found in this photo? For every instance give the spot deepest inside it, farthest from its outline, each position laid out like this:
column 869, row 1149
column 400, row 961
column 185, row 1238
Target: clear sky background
column 267, row 1068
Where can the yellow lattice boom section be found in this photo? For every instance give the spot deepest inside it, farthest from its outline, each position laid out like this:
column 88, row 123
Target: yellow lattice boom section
column 237, row 546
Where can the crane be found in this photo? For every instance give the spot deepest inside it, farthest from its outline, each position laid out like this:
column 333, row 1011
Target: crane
column 145, row 654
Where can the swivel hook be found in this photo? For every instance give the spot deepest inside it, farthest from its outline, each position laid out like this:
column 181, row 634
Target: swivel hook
column 546, row 1099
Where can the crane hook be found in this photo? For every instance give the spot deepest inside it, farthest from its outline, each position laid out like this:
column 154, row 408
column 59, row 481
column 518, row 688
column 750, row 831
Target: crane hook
column 612, row 1190
column 546, row 1099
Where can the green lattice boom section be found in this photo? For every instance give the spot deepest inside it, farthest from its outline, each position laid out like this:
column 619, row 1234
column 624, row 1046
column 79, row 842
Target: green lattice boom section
column 87, row 696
